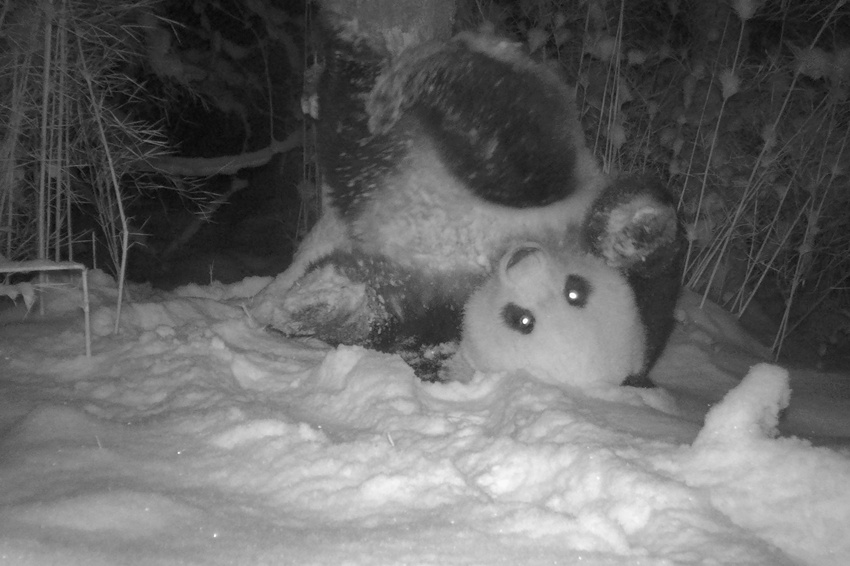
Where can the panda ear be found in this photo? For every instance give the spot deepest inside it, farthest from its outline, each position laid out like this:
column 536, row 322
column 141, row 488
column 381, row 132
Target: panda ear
column 518, row 261
column 634, row 226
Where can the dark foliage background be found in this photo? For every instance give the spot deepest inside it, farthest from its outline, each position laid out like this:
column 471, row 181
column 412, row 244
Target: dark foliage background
column 741, row 107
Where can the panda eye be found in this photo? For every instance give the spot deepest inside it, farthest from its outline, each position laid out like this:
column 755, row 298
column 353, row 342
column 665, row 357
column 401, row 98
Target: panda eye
column 577, row 291
column 518, row 318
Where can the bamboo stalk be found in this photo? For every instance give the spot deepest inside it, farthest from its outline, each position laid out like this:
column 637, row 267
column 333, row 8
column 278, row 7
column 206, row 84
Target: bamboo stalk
column 97, row 105
column 62, row 164
column 45, row 95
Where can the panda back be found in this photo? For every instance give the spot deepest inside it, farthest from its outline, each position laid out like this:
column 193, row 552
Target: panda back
column 451, row 150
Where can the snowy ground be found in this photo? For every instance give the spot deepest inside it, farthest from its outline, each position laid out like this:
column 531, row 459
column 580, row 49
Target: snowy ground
column 193, row 438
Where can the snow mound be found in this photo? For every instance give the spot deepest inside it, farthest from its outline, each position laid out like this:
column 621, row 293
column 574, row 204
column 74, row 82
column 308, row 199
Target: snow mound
column 195, row 437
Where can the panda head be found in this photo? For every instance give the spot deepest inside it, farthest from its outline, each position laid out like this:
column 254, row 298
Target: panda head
column 563, row 315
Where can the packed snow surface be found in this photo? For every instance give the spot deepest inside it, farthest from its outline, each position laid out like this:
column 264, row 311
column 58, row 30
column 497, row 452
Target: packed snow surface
column 194, row 437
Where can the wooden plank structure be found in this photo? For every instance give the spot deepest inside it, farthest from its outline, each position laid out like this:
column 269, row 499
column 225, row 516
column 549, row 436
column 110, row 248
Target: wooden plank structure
column 41, row 265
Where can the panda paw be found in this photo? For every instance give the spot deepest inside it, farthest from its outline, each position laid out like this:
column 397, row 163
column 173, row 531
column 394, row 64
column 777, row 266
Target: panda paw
column 643, row 231
column 430, row 363
column 641, row 381
column 634, row 226
column 327, row 305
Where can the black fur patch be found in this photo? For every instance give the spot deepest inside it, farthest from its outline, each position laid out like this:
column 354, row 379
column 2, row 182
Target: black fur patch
column 650, row 250
column 406, row 309
column 503, row 132
column 504, row 126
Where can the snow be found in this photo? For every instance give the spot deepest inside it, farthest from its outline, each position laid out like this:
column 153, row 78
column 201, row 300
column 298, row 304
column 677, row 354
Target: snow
column 194, row 437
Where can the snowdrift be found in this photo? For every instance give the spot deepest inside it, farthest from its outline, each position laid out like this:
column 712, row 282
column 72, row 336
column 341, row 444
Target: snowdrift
column 193, row 437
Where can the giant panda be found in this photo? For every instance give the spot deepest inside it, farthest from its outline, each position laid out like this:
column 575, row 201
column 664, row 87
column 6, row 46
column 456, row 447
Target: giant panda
column 585, row 311
column 435, row 164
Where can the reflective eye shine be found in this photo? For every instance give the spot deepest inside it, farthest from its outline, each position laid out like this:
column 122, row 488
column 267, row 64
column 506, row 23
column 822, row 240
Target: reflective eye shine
column 577, row 291
column 518, row 318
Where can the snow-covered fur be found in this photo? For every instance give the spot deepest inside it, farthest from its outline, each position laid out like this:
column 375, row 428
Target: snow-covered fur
column 450, row 151
column 435, row 163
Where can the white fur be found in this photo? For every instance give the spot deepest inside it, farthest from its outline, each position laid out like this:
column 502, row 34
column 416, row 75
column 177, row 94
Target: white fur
column 599, row 344
column 425, row 218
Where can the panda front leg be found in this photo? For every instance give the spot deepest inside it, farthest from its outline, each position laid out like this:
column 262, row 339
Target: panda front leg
column 367, row 300
column 345, row 297
column 332, row 301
